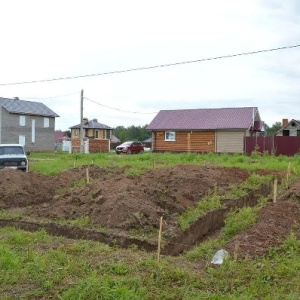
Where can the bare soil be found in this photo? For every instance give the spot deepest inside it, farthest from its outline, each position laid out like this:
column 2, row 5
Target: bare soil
column 127, row 203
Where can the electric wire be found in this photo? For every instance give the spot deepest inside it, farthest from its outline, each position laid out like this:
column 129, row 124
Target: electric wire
column 152, row 67
column 50, row 97
column 121, row 110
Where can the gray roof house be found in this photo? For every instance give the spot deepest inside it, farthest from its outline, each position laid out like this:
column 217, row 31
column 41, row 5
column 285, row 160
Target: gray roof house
column 97, row 136
column 289, row 128
column 92, row 124
column 28, row 123
column 204, row 130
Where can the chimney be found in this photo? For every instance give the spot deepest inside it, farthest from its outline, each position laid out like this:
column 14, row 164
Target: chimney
column 95, row 120
column 285, row 122
column 85, row 121
column 16, row 98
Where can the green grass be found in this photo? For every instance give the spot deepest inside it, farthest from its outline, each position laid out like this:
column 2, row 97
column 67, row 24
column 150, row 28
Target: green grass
column 235, row 221
column 213, row 200
column 54, row 163
column 238, row 220
column 210, row 202
column 81, row 221
column 38, row 266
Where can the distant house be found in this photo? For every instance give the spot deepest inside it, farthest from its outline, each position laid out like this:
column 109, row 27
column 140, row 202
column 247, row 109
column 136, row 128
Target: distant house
column 28, row 123
column 289, row 128
column 148, row 142
column 59, row 136
column 114, row 139
column 62, row 142
column 286, row 141
column 96, row 136
column 217, row 130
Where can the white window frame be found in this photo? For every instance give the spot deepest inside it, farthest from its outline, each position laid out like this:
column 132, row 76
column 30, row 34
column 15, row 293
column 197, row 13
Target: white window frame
column 33, row 130
column 170, row 136
column 22, row 121
column 46, row 123
column 22, row 140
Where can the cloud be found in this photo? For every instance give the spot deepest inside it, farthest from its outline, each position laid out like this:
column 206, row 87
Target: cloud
column 51, row 39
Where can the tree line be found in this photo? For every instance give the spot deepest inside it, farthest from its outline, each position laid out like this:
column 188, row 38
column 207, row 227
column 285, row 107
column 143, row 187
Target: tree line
column 135, row 133
column 270, row 130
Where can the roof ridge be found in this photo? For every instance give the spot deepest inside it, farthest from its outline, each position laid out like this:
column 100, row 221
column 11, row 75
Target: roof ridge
column 18, row 106
column 209, row 108
column 14, row 99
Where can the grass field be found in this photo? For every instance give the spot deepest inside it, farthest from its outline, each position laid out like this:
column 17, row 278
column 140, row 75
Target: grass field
column 53, row 163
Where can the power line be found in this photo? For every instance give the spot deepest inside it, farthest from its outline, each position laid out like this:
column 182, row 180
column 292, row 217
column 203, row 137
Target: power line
column 126, row 111
column 51, row 97
column 152, row 67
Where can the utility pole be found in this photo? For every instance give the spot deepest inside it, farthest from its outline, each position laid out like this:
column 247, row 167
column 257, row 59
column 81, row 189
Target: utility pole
column 81, row 123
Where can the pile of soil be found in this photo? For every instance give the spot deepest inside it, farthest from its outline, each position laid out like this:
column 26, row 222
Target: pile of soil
column 115, row 200
column 275, row 222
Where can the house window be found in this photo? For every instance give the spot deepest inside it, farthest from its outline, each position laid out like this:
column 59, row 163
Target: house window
column 76, row 132
column 104, row 135
column 108, row 134
column 286, row 133
column 170, row 136
column 96, row 134
column 46, row 122
column 22, row 121
column 33, row 131
column 22, row 140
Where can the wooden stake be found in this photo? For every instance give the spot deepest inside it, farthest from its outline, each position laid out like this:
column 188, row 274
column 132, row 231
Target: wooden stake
column 159, row 239
column 236, row 249
column 288, row 175
column 189, row 142
column 87, row 176
column 275, row 191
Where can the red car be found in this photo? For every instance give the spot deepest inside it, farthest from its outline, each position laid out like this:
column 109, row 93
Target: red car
column 130, row 147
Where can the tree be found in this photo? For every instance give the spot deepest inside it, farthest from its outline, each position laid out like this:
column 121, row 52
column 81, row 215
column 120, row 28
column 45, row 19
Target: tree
column 137, row 133
column 120, row 132
column 68, row 133
column 274, row 128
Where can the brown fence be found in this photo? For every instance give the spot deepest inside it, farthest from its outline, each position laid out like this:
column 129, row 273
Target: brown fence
column 277, row 145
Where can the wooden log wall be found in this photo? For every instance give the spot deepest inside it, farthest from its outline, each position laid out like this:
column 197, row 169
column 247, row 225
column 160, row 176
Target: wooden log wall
column 186, row 141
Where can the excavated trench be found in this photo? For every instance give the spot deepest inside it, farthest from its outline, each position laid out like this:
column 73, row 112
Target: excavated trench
column 196, row 233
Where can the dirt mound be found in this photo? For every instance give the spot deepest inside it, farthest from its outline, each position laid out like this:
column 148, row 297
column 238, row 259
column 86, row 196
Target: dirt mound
column 136, row 202
column 19, row 189
column 275, row 222
column 274, row 225
column 112, row 199
column 116, row 200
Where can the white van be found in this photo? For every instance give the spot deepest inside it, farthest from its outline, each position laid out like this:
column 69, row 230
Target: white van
column 13, row 156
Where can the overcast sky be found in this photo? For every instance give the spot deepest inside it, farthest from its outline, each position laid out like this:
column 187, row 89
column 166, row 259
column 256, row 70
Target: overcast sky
column 53, row 39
